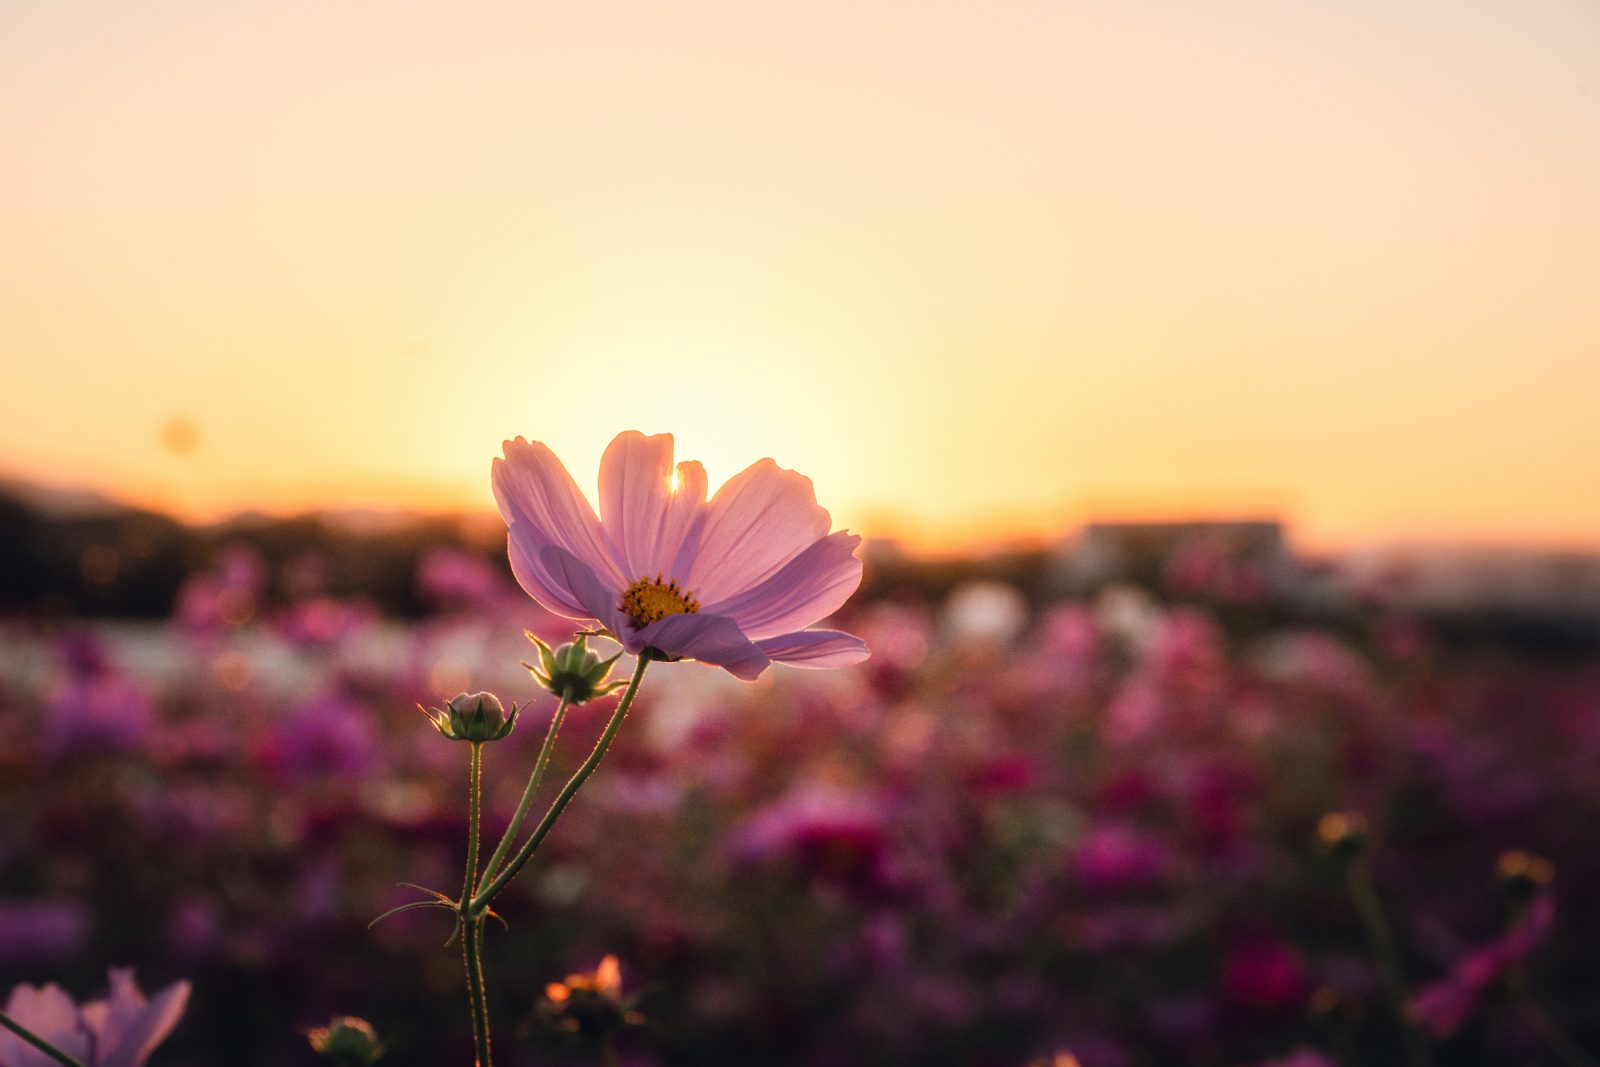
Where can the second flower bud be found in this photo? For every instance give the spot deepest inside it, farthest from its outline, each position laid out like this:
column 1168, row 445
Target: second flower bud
column 572, row 672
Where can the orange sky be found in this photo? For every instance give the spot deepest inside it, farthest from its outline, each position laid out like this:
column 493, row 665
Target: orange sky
column 978, row 269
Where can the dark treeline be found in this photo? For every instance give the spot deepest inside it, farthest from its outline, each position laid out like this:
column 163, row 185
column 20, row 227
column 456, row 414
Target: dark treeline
column 129, row 563
column 119, row 562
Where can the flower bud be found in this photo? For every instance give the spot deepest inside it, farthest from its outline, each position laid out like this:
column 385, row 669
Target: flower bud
column 1059, row 1059
column 587, row 1006
column 347, row 1041
column 572, row 672
column 472, row 717
column 1331, row 1007
column 1522, row 874
column 1343, row 834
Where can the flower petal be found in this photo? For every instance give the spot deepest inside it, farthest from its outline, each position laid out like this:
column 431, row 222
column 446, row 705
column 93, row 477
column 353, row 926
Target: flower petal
column 685, row 518
column 532, row 487
column 644, row 516
column 46, row 1009
column 634, row 476
column 49, row 1012
column 761, row 519
column 812, row 586
column 710, row 639
column 132, row 1028
column 523, row 548
column 815, row 648
column 597, row 602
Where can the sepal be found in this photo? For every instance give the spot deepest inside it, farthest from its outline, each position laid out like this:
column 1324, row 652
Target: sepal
column 572, row 672
column 476, row 717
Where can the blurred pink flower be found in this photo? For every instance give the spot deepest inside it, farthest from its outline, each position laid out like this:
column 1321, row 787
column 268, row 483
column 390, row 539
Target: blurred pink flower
column 1302, row 1057
column 226, row 596
column 1443, row 1007
column 108, row 711
column 452, row 577
column 1113, row 859
column 828, row 836
column 331, row 735
column 40, row 929
column 324, row 620
column 758, row 556
column 120, row 1031
column 1265, row 976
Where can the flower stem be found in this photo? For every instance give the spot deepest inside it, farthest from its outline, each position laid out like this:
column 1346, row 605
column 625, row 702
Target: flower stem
column 37, row 1042
column 487, row 893
column 471, row 923
column 534, row 778
column 472, row 956
column 1365, row 895
column 1551, row 1032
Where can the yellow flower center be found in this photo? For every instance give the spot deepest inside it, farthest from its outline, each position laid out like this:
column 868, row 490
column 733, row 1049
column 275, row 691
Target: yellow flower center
column 646, row 601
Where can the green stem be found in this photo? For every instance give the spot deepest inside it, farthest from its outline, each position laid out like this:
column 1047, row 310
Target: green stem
column 472, row 956
column 1365, row 895
column 474, row 793
column 471, row 923
column 1345, row 1049
column 487, row 893
column 1551, row 1032
column 532, row 787
column 37, row 1042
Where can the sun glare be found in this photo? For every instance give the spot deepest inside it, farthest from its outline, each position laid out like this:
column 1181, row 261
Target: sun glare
column 1016, row 299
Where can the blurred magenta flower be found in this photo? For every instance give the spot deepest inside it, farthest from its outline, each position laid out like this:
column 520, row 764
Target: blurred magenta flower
column 120, row 1031
column 40, row 929
column 330, row 735
column 225, row 596
column 1113, row 859
column 1443, row 1007
column 451, row 577
column 1265, row 976
column 827, row 836
column 1302, row 1057
column 731, row 582
column 324, row 621
column 109, row 712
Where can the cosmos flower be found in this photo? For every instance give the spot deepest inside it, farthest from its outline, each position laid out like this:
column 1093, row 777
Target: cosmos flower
column 120, row 1031
column 732, row 582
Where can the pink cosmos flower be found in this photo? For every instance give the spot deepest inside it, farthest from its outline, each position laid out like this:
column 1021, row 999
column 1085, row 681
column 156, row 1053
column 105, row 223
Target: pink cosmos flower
column 731, row 582
column 120, row 1031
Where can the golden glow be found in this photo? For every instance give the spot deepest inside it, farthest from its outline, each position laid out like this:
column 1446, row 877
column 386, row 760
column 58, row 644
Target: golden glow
column 999, row 271
column 647, row 601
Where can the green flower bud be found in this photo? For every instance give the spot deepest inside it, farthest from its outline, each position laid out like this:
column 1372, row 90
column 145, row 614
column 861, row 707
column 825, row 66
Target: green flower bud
column 346, row 1041
column 472, row 717
column 572, row 672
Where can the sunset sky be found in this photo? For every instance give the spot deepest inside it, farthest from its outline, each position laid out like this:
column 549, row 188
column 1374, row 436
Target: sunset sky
column 980, row 270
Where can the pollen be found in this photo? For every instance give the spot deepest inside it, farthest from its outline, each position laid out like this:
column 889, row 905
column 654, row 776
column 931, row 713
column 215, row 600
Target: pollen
column 647, row 601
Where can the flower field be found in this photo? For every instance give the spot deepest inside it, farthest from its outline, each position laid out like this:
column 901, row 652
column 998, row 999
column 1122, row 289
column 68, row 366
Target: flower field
column 1023, row 828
